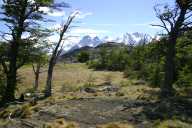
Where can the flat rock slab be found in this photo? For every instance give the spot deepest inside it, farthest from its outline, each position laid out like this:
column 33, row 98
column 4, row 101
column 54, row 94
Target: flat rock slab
column 89, row 112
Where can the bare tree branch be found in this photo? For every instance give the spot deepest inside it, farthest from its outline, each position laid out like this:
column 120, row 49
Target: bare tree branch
column 156, row 25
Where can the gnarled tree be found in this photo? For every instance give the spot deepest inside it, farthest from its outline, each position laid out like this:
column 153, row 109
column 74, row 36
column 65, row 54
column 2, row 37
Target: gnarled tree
column 175, row 21
column 19, row 17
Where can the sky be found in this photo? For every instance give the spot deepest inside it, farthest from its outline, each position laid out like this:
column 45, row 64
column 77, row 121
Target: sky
column 111, row 18
column 115, row 17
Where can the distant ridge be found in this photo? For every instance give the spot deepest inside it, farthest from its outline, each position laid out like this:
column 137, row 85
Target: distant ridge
column 127, row 38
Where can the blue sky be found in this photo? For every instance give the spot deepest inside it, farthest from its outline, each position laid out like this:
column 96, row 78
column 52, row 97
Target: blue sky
column 115, row 17
column 111, row 18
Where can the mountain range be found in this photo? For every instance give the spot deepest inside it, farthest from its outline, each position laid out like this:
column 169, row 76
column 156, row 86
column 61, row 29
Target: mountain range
column 127, row 39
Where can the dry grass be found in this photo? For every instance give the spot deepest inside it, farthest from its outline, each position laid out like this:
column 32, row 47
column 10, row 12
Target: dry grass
column 116, row 125
column 60, row 123
column 173, row 124
column 71, row 76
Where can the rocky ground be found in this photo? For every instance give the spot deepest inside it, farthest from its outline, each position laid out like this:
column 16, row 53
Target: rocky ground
column 101, row 100
column 100, row 107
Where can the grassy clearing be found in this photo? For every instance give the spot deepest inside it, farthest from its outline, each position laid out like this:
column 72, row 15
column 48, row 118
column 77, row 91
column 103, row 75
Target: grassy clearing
column 69, row 76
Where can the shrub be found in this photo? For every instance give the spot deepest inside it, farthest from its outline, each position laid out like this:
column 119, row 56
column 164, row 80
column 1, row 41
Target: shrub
column 184, row 77
column 173, row 124
column 2, row 82
column 83, row 57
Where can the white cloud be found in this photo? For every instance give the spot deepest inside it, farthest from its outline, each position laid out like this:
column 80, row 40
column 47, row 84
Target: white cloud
column 76, row 35
column 67, row 44
column 107, row 24
column 78, row 32
column 55, row 26
column 57, row 13
column 53, row 38
column 50, row 12
column 88, row 31
column 116, row 24
column 82, row 15
column 70, row 38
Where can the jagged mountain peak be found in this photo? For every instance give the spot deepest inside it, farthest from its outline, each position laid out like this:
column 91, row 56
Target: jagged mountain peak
column 127, row 38
column 96, row 38
column 89, row 41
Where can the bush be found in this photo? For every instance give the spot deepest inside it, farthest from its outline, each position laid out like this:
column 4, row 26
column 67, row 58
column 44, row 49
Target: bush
column 83, row 57
column 184, row 77
column 95, row 64
column 2, row 82
column 113, row 60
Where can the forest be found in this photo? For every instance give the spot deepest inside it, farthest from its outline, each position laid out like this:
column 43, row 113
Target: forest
column 113, row 85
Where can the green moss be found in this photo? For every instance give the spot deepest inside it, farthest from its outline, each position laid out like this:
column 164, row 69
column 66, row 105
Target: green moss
column 172, row 124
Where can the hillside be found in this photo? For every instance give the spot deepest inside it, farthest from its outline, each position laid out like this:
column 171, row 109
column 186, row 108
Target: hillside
column 71, row 55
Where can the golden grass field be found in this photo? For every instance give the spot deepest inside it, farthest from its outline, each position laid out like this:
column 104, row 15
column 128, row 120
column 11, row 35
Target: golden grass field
column 67, row 97
column 68, row 75
column 72, row 77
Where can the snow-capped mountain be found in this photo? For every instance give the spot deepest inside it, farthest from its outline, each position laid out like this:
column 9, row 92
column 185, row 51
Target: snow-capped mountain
column 87, row 41
column 134, row 38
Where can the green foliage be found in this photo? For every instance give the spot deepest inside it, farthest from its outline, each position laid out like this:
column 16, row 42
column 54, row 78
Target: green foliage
column 172, row 124
column 143, row 62
column 21, row 16
column 83, row 57
column 2, row 81
column 184, row 77
column 114, row 59
column 184, row 60
column 44, row 1
column 146, row 62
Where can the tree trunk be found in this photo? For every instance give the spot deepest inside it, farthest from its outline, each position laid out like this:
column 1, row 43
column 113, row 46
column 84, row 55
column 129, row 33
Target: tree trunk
column 9, row 94
column 48, row 89
column 36, row 82
column 37, row 72
column 55, row 54
column 170, row 67
column 170, row 71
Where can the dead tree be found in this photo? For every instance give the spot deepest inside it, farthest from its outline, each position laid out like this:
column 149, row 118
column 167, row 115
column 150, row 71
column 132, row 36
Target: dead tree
column 37, row 70
column 56, row 53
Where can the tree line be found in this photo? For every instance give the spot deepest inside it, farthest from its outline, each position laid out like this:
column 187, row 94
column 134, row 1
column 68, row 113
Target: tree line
column 164, row 63
column 147, row 61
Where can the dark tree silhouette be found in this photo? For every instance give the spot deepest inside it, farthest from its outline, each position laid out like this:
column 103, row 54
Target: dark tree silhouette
column 19, row 16
column 174, row 21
